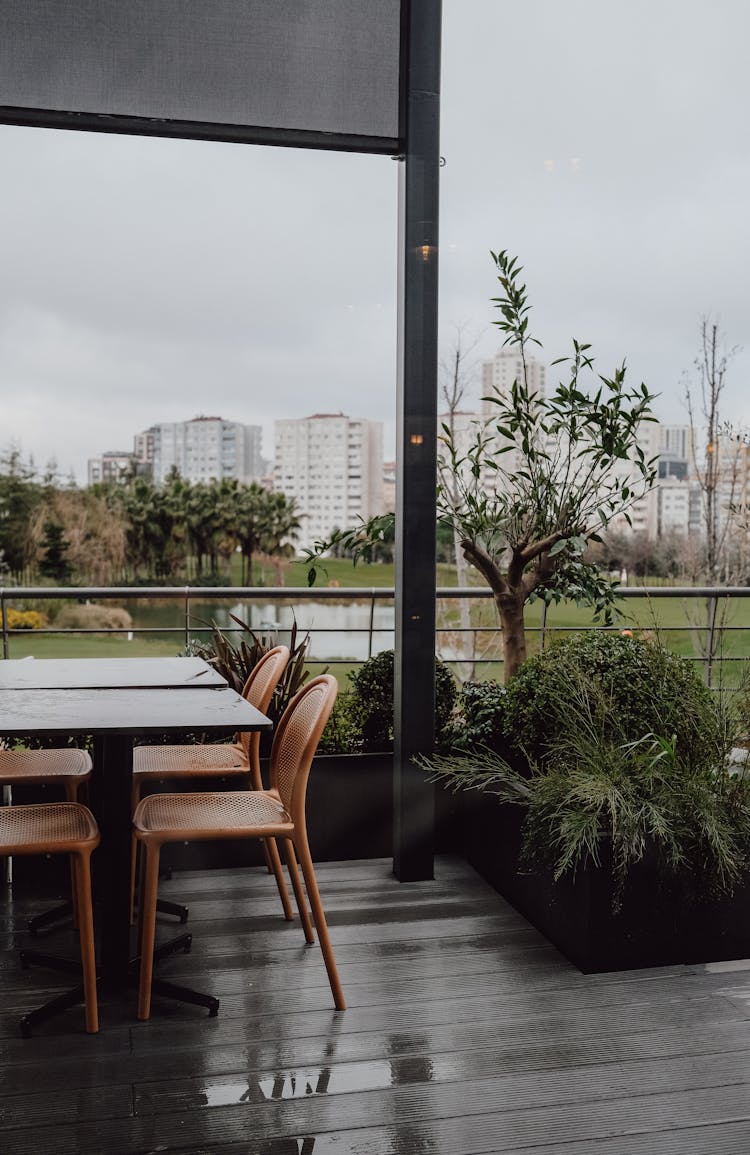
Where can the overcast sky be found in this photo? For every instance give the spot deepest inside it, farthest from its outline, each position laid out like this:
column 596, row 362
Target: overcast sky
column 605, row 143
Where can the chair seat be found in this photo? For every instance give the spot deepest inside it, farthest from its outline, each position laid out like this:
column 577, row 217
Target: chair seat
column 43, row 766
column 211, row 815
column 172, row 761
column 53, row 827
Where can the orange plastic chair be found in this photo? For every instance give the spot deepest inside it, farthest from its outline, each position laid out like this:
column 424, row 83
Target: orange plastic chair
column 60, row 828
column 240, row 759
column 67, row 768
column 275, row 813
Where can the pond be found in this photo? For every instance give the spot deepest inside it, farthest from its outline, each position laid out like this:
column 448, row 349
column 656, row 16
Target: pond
column 336, row 630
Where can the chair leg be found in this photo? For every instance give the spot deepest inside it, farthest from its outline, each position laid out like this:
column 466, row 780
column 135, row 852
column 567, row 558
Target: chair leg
column 267, row 854
column 72, row 794
column 81, row 871
column 134, row 847
column 148, row 926
column 311, row 884
column 299, row 893
column 74, row 894
column 274, row 865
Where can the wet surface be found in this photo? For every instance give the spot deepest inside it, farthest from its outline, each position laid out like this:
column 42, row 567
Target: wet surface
column 465, row 1033
column 300, row 1083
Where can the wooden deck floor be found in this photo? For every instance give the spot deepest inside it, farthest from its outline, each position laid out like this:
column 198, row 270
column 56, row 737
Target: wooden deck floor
column 465, row 1033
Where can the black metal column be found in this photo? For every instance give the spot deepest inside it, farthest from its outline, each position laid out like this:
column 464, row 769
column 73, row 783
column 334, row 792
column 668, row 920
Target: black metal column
column 414, row 693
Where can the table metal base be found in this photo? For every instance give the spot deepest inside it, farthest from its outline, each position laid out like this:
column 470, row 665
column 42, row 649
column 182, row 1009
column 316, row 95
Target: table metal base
column 63, row 910
column 72, row 997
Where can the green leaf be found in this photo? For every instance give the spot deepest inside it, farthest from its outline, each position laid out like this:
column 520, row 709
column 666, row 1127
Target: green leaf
column 558, row 547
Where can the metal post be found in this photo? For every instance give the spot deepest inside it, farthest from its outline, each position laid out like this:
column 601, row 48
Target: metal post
column 543, row 626
column 416, row 479
column 711, row 607
column 372, row 625
column 187, row 618
column 4, row 615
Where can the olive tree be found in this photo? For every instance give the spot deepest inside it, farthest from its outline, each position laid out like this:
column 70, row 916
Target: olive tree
column 541, row 479
column 544, row 476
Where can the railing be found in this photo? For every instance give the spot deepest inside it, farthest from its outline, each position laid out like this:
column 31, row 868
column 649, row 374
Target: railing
column 710, row 625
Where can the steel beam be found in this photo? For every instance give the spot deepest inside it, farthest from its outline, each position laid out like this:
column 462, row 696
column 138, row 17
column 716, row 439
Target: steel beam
column 414, row 674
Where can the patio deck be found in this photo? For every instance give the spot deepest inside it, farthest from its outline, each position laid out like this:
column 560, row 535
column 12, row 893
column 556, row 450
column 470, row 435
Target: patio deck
column 466, row 1032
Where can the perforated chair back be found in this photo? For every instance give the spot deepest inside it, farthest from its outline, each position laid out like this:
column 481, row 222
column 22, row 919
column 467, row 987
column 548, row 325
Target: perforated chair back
column 258, row 691
column 296, row 740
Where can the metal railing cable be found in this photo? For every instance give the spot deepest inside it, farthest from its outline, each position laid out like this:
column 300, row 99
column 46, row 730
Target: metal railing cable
column 705, row 617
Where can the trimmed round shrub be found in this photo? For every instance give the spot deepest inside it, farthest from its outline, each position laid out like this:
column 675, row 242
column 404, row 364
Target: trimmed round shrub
column 90, row 616
column 479, row 721
column 651, row 691
column 371, row 700
column 341, row 735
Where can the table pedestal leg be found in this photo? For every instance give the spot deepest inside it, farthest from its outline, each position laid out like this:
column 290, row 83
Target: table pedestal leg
column 113, row 756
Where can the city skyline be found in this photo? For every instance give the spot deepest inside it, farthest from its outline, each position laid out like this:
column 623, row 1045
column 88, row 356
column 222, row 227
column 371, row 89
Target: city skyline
column 261, row 283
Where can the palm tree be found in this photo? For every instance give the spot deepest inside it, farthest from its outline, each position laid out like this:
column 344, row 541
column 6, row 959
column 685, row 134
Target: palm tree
column 265, row 520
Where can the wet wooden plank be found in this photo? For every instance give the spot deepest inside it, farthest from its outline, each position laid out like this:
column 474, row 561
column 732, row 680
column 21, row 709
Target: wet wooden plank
column 465, row 1033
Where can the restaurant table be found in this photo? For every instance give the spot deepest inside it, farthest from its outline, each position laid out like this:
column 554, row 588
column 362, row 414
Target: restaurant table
column 99, row 673
column 115, row 715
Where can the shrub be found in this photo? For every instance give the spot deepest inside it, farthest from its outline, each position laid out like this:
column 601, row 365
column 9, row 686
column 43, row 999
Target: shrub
column 479, row 720
column 371, row 702
column 624, row 746
column 24, row 619
column 94, row 617
column 649, row 690
column 597, row 784
column 341, row 735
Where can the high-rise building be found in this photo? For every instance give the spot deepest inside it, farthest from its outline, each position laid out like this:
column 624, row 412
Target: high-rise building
column 203, row 449
column 499, row 373
column 332, row 466
column 389, row 486
column 115, row 465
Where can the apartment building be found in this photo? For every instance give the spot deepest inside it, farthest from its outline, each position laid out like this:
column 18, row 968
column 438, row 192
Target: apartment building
column 203, row 449
column 332, row 466
column 500, row 371
column 115, row 465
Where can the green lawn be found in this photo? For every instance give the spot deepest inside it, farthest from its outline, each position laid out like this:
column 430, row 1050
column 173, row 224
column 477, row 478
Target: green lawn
column 338, row 571
column 32, row 644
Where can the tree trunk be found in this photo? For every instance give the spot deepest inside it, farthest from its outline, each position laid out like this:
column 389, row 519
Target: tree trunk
column 510, row 609
column 467, row 638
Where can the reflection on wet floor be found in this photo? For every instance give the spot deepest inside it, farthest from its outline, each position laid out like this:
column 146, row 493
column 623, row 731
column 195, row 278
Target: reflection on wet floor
column 302, row 1082
column 300, row 1146
column 407, row 1139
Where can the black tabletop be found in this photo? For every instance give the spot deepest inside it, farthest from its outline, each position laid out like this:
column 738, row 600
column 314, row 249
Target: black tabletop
column 83, row 673
column 126, row 711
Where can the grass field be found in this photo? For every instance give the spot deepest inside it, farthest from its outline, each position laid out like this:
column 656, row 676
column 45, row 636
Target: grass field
column 340, row 571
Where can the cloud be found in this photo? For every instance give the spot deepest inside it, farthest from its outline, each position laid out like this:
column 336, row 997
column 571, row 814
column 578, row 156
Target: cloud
column 148, row 280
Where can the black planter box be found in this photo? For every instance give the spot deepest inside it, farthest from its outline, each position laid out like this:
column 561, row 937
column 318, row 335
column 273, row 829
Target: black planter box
column 657, row 925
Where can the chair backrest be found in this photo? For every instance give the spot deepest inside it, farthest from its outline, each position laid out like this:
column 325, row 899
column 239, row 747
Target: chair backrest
column 296, row 740
column 258, row 690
